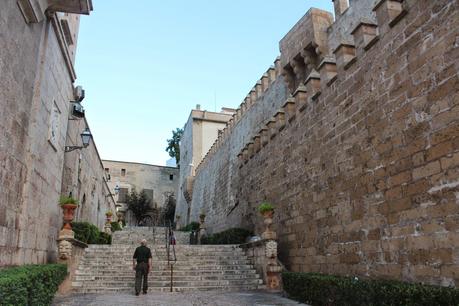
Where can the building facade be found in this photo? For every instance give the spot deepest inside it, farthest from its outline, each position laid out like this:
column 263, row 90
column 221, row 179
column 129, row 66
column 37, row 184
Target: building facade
column 159, row 183
column 199, row 133
column 38, row 39
column 353, row 135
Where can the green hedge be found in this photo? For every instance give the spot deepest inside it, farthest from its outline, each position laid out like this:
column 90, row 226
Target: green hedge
column 193, row 226
column 231, row 236
column 30, row 284
column 90, row 234
column 319, row 289
column 115, row 226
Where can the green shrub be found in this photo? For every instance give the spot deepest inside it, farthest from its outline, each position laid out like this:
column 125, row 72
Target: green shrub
column 115, row 226
column 67, row 200
column 89, row 233
column 319, row 289
column 193, row 226
column 265, row 207
column 104, row 238
column 230, row 236
column 30, row 284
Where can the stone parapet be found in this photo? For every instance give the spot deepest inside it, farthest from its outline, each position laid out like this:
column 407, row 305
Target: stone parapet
column 255, row 94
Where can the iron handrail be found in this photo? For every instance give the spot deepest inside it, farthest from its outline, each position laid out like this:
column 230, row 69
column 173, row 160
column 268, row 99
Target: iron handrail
column 168, row 235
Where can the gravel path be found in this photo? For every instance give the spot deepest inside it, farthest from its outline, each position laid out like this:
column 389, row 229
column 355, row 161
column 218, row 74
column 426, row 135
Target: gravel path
column 209, row 298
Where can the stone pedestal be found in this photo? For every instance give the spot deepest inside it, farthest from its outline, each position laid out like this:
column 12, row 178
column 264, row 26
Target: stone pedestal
column 70, row 252
column 202, row 228
column 108, row 228
column 263, row 255
column 273, row 269
column 268, row 234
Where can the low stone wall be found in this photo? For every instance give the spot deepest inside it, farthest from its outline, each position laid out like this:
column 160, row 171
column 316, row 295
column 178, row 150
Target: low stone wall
column 78, row 249
column 263, row 256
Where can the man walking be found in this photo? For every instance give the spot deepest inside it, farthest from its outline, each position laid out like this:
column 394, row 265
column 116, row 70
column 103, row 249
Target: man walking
column 143, row 256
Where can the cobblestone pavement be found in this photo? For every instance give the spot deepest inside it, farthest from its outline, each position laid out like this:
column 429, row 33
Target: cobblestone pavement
column 210, row 298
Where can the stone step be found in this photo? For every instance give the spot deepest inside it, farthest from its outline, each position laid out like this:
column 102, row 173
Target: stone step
column 163, row 268
column 186, row 252
column 164, row 259
column 153, row 284
column 167, row 272
column 166, row 277
column 108, row 268
column 183, row 247
column 167, row 289
column 129, row 254
column 194, row 261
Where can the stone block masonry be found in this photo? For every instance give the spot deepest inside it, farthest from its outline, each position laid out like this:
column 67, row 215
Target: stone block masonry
column 36, row 87
column 364, row 167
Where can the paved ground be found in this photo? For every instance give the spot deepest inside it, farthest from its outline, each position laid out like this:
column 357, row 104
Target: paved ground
column 210, row 298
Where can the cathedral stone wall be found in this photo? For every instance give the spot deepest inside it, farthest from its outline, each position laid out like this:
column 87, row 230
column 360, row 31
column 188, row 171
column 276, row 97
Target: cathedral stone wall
column 85, row 178
column 362, row 162
column 36, row 86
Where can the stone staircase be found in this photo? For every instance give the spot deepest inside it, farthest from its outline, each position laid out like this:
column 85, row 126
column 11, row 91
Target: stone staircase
column 108, row 268
column 153, row 235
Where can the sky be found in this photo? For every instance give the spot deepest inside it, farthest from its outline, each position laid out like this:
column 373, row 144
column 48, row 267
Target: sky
column 145, row 64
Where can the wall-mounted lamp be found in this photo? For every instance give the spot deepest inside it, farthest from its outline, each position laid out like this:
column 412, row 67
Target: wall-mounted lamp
column 85, row 138
column 77, row 110
column 117, row 189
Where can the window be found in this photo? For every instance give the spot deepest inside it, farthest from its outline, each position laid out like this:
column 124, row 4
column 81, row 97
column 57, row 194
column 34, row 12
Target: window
column 122, row 195
column 54, row 126
column 171, row 177
column 149, row 194
column 107, row 174
column 123, row 172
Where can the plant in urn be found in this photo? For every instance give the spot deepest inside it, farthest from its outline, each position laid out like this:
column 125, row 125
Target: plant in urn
column 267, row 211
column 68, row 205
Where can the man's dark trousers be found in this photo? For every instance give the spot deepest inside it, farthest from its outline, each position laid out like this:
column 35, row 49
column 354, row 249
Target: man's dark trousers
column 141, row 271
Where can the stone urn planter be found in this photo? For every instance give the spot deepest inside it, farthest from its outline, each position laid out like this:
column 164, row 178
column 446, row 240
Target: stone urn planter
column 68, row 205
column 108, row 216
column 69, row 214
column 267, row 211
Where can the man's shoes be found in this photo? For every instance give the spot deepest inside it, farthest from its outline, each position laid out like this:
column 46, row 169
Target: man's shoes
column 144, row 292
column 137, row 294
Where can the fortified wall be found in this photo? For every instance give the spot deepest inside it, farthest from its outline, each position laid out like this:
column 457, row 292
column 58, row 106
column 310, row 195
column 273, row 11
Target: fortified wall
column 354, row 136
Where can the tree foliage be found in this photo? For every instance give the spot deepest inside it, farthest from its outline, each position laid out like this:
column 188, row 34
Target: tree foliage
column 173, row 145
column 138, row 203
column 90, row 234
column 168, row 210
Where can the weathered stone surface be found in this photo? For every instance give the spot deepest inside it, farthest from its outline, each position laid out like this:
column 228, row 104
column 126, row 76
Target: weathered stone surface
column 36, row 87
column 199, row 134
column 365, row 178
column 241, row 298
column 159, row 182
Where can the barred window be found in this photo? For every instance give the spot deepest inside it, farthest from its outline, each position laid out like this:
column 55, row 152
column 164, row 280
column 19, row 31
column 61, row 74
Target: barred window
column 122, row 195
column 149, row 194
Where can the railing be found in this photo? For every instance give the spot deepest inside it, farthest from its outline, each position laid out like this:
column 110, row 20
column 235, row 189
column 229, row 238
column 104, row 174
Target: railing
column 170, row 244
column 194, row 237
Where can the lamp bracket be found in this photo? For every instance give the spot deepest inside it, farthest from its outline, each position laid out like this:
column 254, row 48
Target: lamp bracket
column 72, row 148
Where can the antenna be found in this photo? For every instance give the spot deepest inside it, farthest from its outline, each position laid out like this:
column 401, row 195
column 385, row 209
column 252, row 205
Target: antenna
column 215, row 100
